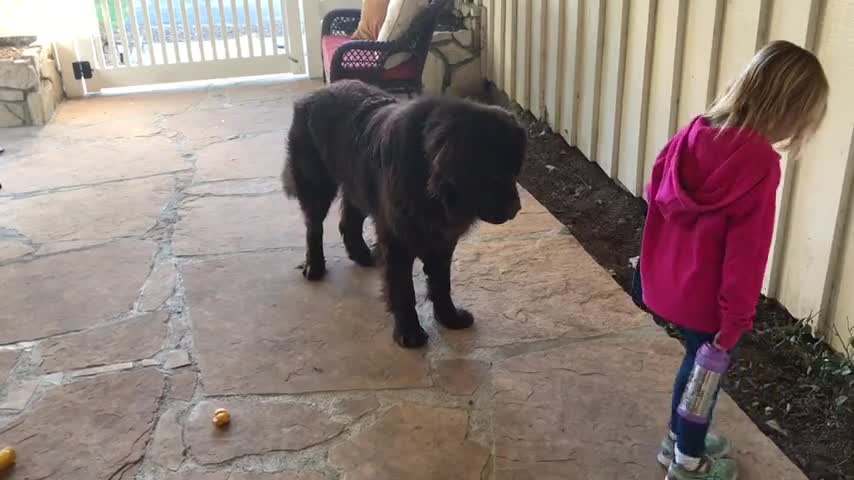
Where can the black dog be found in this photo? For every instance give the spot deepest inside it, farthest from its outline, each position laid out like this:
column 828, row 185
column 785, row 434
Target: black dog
column 424, row 170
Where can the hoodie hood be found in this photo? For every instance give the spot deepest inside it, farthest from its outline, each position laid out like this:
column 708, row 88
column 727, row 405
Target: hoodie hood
column 705, row 168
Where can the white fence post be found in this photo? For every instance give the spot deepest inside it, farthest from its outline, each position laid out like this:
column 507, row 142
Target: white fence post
column 312, row 19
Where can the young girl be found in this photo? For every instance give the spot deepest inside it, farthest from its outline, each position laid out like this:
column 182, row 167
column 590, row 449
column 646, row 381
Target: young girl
column 711, row 217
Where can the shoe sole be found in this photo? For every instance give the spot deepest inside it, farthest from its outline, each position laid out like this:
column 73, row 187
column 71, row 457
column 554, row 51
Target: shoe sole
column 665, row 461
column 734, row 477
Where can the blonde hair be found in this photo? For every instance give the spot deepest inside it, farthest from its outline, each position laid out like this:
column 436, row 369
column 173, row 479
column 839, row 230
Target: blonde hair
column 782, row 93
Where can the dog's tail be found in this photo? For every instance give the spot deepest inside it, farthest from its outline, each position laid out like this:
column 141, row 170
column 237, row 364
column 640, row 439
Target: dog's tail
column 296, row 135
column 288, row 182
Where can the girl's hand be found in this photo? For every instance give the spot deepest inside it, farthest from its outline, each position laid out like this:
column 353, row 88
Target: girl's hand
column 717, row 345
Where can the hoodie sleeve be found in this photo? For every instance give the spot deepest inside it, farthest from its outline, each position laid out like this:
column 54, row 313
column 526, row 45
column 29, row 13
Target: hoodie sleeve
column 748, row 241
column 655, row 176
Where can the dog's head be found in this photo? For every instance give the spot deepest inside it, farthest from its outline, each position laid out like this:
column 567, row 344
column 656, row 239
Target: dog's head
column 476, row 153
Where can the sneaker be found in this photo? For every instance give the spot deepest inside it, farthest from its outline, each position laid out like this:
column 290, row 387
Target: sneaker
column 710, row 469
column 717, row 446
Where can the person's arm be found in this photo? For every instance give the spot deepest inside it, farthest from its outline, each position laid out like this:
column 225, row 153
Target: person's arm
column 748, row 242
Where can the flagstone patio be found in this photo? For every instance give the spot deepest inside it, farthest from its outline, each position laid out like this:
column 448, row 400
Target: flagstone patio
column 147, row 264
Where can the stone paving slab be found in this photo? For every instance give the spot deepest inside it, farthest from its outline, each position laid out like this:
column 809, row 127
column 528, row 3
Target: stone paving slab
column 598, row 409
column 203, row 127
column 96, row 161
column 295, row 336
column 65, row 293
column 76, row 432
column 7, row 362
column 133, row 339
column 256, row 427
column 414, row 442
column 153, row 272
column 212, row 225
column 12, row 249
column 224, row 475
column 90, row 215
column 255, row 156
column 536, row 289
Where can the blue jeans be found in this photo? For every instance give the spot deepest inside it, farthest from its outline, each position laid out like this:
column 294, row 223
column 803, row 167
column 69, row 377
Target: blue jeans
column 691, row 437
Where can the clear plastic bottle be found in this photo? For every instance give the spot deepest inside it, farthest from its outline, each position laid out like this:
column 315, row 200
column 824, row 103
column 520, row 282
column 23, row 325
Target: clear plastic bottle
column 709, row 368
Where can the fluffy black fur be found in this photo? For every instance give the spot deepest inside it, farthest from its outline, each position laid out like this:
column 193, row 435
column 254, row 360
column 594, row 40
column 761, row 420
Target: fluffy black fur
column 424, row 170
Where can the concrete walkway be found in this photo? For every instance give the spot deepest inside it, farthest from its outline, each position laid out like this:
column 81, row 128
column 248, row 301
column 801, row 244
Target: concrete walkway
column 147, row 271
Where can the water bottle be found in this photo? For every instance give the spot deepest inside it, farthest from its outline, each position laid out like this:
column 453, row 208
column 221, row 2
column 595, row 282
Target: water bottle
column 699, row 397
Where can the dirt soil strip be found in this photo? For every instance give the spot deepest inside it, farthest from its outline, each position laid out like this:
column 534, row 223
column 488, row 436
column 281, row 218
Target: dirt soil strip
column 772, row 379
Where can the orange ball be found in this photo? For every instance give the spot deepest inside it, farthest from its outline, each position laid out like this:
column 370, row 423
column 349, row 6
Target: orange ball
column 221, row 417
column 7, row 458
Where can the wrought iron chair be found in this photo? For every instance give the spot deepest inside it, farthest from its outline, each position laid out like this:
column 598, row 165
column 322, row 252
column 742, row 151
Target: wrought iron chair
column 365, row 60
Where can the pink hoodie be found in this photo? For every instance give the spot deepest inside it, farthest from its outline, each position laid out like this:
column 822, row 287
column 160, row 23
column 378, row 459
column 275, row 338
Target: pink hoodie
column 712, row 202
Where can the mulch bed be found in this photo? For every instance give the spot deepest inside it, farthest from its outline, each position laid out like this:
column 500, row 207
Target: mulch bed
column 790, row 385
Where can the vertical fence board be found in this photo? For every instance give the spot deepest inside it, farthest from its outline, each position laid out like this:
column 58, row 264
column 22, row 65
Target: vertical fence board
column 312, row 16
column 149, row 37
column 247, row 19
column 201, row 38
column 819, row 190
column 510, row 38
column 614, row 57
column 742, row 30
column 211, row 30
column 797, row 27
column 589, row 76
column 538, row 57
column 641, row 34
column 500, row 42
column 175, row 37
column 664, row 82
column 554, row 47
column 125, row 53
column 571, row 54
column 161, row 31
column 839, row 324
column 259, row 23
column 187, row 39
column 523, row 55
column 111, row 36
column 224, row 36
column 702, row 41
column 235, row 24
column 489, row 48
column 134, row 26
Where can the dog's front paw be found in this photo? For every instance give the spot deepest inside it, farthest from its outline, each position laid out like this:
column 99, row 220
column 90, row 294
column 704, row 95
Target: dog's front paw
column 313, row 272
column 414, row 337
column 362, row 257
column 457, row 319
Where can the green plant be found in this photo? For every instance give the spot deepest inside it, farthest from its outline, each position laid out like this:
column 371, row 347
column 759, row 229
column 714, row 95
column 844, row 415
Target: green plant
column 821, row 364
column 111, row 12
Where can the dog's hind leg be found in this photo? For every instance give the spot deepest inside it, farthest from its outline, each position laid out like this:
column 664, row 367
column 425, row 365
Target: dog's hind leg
column 351, row 225
column 306, row 177
column 401, row 297
column 437, row 266
column 315, row 209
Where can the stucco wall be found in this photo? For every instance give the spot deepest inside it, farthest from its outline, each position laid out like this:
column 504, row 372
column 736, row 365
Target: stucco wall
column 616, row 78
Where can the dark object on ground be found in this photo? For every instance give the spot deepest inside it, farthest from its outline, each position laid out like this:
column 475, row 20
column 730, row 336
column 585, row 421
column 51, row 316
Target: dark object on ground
column 776, row 376
column 425, row 171
column 365, row 60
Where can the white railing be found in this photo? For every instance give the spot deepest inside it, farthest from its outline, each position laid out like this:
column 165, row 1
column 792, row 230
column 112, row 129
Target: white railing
column 136, row 33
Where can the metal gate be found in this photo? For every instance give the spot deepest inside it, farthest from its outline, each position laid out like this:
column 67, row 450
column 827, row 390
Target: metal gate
column 121, row 43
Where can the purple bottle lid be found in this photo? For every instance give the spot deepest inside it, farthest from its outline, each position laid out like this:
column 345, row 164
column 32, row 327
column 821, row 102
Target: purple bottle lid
column 712, row 359
column 693, row 418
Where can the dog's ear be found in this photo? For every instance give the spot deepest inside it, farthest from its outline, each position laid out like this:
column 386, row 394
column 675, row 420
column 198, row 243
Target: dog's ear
column 437, row 182
column 444, row 148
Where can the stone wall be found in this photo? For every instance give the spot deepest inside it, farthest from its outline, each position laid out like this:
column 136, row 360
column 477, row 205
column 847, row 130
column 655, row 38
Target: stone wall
column 30, row 86
column 453, row 64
